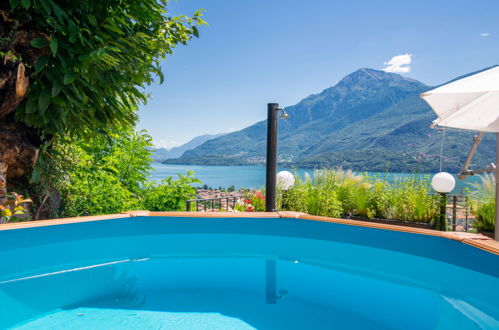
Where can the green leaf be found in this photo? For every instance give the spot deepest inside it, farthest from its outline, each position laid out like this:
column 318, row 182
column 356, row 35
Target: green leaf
column 59, row 13
column 69, row 78
column 41, row 63
column 44, row 100
column 92, row 20
column 14, row 3
column 30, row 105
column 56, row 88
column 73, row 31
column 195, row 31
column 39, row 42
column 46, row 6
column 53, row 45
column 26, row 3
column 35, row 175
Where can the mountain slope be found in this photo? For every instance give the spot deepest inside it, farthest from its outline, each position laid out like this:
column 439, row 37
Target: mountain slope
column 370, row 120
column 162, row 154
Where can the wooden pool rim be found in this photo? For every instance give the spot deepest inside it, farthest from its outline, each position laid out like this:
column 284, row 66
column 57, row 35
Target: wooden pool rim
column 476, row 240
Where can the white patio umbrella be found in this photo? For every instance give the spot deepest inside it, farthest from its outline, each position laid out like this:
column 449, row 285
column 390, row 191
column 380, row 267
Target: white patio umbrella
column 470, row 103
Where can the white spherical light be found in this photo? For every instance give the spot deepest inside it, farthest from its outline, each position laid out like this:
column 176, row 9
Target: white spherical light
column 285, row 180
column 443, row 182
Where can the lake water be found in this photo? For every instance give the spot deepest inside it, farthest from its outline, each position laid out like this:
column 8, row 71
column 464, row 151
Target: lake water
column 254, row 176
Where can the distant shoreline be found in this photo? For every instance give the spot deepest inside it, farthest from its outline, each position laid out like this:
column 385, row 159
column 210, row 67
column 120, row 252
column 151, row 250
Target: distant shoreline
column 253, row 176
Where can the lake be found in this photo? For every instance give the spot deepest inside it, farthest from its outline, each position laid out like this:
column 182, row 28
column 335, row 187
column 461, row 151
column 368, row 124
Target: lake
column 254, row 176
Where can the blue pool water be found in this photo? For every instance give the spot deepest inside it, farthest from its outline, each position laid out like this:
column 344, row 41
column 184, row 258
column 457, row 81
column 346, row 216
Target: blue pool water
column 190, row 273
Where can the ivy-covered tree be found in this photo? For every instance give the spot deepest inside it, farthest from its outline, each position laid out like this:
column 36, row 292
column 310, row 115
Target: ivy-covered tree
column 77, row 68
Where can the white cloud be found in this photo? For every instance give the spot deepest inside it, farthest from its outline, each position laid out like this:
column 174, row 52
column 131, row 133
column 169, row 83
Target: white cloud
column 399, row 64
column 230, row 130
column 165, row 144
column 486, row 34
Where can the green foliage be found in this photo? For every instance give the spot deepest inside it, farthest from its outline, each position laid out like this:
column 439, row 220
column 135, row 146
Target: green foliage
column 13, row 207
column 485, row 216
column 484, row 206
column 257, row 201
column 485, row 188
column 99, row 192
column 296, row 198
column 337, row 192
column 108, row 174
column 98, row 175
column 97, row 57
column 169, row 194
column 407, row 199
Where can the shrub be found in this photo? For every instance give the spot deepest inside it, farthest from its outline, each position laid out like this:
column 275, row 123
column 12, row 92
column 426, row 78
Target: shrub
column 254, row 201
column 336, row 192
column 296, row 198
column 485, row 216
column 12, row 207
column 323, row 201
column 169, row 194
column 107, row 175
column 101, row 175
column 411, row 200
column 314, row 196
column 258, row 201
column 96, row 192
column 484, row 207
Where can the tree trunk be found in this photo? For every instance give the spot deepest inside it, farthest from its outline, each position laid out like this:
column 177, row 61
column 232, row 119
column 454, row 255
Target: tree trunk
column 3, row 183
column 18, row 143
column 18, row 150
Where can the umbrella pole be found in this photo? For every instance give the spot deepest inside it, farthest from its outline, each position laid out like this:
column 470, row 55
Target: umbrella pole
column 497, row 188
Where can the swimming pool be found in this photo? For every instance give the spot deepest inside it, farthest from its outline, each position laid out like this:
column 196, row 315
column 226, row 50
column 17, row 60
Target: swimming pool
column 241, row 273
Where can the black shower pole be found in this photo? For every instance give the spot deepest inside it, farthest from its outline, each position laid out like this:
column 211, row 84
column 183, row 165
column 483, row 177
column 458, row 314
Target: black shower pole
column 270, row 183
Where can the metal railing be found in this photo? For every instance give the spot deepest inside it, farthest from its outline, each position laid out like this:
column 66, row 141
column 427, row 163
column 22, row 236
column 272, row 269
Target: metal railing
column 458, row 212
column 458, row 209
column 211, row 204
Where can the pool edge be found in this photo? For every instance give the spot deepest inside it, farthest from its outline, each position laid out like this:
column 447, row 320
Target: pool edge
column 475, row 240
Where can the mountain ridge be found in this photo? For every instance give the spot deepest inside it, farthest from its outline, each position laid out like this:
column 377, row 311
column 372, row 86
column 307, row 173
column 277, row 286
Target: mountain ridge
column 162, row 154
column 369, row 120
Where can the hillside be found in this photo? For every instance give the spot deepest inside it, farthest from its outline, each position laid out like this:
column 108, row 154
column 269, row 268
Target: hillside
column 370, row 120
column 162, row 154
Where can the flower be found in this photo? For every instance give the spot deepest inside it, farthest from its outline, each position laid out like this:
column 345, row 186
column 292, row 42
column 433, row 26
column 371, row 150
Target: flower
column 259, row 196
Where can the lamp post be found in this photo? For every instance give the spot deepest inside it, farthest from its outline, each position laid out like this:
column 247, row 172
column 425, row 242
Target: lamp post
column 270, row 180
column 285, row 181
column 443, row 183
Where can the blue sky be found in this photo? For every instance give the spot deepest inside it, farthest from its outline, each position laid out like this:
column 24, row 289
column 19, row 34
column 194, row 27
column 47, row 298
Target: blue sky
column 259, row 51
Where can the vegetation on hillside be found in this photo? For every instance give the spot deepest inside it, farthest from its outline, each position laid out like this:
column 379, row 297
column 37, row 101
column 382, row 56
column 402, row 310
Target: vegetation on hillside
column 370, row 121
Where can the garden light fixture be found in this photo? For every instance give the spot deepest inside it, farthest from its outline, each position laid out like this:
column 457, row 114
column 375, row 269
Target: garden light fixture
column 285, row 180
column 443, row 183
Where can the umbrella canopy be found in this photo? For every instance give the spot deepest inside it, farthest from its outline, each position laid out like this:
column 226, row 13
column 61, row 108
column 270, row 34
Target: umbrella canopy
column 470, row 103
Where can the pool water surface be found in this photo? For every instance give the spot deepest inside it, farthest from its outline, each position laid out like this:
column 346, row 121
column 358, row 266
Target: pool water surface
column 152, row 273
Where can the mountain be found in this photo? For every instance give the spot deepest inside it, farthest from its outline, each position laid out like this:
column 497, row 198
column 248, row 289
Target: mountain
column 162, row 154
column 370, row 120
